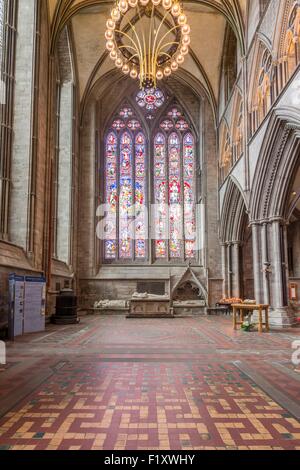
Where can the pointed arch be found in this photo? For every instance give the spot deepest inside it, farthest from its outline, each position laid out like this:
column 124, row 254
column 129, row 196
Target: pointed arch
column 261, row 92
column 225, row 146
column 237, row 126
column 234, row 210
column 287, row 40
column 278, row 161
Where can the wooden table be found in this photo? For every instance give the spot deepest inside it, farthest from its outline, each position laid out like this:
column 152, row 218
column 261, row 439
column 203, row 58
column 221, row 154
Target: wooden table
column 243, row 309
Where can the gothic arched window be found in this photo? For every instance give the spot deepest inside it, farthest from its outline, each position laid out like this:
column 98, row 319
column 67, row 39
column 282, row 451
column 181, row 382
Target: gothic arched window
column 291, row 52
column 8, row 31
column 126, row 232
column 133, row 173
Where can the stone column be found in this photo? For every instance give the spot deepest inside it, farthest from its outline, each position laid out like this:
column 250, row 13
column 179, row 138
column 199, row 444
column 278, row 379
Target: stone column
column 257, row 266
column 281, row 316
column 229, row 269
column 266, row 264
column 236, row 281
column 277, row 297
column 224, row 269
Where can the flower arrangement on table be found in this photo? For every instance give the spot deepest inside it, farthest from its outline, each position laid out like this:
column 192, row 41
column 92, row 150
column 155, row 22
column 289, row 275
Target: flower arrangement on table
column 230, row 301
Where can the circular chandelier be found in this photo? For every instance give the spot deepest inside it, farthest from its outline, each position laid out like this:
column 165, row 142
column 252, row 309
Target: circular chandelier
column 148, row 39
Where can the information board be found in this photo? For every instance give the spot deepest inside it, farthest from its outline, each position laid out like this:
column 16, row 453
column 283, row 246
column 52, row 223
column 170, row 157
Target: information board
column 27, row 305
column 16, row 294
column 34, row 305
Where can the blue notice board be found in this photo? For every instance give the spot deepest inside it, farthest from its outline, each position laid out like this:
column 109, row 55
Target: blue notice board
column 27, row 305
column 35, row 304
column 16, row 309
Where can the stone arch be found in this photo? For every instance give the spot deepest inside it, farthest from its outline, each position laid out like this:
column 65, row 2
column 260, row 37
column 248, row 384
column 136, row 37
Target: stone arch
column 190, row 277
column 237, row 125
column 233, row 213
column 287, row 41
column 261, row 93
column 230, row 65
column 278, row 160
column 269, row 206
column 225, row 150
column 236, row 241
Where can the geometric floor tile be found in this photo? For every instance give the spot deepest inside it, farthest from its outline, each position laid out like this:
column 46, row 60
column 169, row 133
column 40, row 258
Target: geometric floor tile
column 117, row 384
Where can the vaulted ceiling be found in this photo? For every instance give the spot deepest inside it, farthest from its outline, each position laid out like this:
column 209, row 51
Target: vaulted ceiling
column 207, row 18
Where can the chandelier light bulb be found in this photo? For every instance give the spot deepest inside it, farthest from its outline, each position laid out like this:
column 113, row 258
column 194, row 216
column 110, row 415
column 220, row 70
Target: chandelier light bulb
column 119, row 63
column 174, row 66
column 110, row 25
column 126, row 69
column 133, row 73
column 113, row 55
column 132, row 3
column 180, row 59
column 159, row 75
column 109, row 35
column 176, row 10
column 110, row 45
column 182, row 19
column 167, row 71
column 123, row 6
column 186, row 40
column 115, row 14
column 186, row 29
column 167, row 4
column 184, row 50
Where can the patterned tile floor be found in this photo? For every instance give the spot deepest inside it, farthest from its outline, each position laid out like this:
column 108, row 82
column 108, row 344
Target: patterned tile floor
column 183, row 384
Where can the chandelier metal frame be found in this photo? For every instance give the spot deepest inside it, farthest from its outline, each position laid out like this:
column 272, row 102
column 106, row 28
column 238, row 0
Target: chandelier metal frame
column 148, row 54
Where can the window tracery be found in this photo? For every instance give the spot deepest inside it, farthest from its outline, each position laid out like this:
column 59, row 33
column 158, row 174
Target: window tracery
column 128, row 173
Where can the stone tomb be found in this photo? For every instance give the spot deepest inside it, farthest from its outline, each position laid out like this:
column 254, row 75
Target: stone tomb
column 150, row 306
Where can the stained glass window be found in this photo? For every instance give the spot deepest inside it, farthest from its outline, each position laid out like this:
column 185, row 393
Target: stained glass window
column 126, row 197
column 150, row 99
column 172, row 167
column 161, row 196
column 118, row 124
column 126, row 227
column 189, row 196
column 175, row 189
column 141, row 225
column 166, row 125
column 111, row 196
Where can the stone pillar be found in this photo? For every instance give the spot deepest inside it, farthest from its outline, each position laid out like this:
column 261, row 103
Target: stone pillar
column 256, row 262
column 280, row 315
column 236, row 281
column 266, row 264
column 277, row 297
column 224, row 269
column 229, row 270
column 65, row 163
